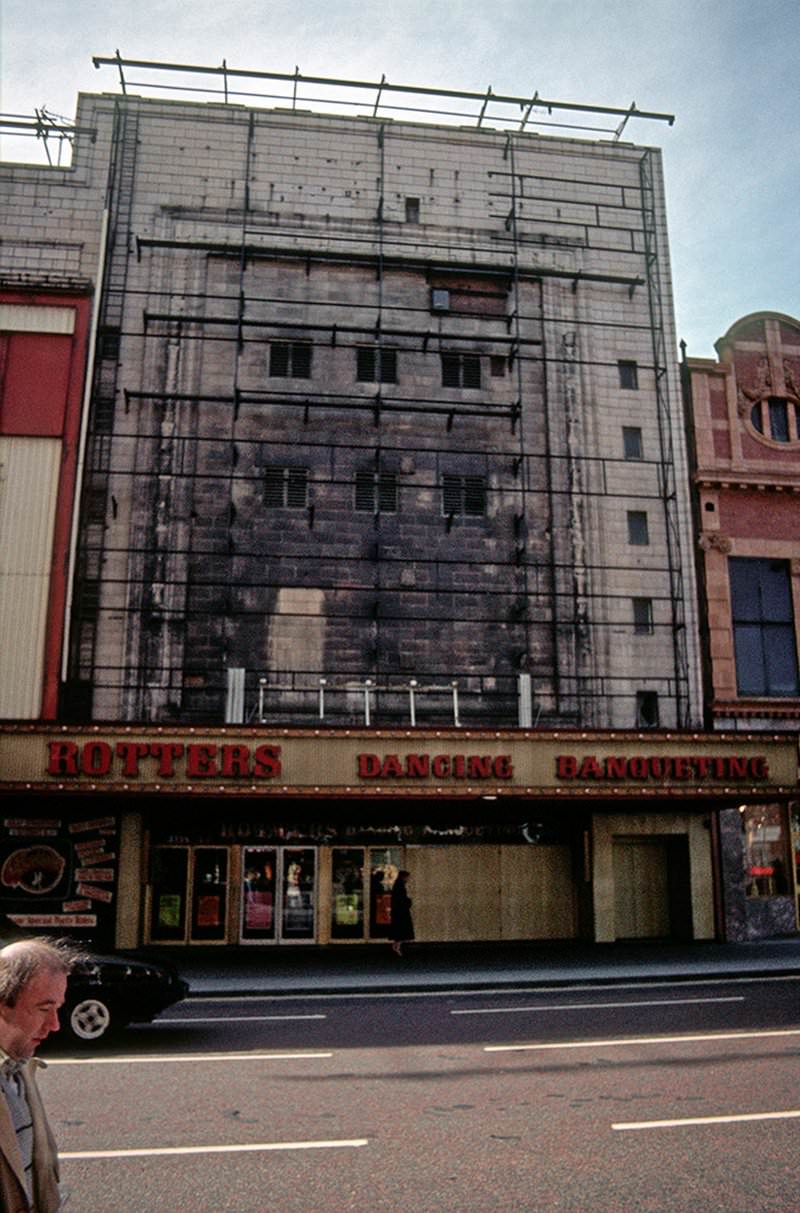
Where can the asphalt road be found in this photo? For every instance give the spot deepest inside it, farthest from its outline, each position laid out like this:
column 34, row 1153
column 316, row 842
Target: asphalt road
column 605, row 1099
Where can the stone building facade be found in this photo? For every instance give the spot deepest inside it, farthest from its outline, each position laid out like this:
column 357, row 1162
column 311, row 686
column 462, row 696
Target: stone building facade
column 384, row 554
column 374, row 400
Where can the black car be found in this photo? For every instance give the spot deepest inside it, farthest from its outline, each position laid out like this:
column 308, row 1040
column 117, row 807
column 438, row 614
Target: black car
column 105, row 993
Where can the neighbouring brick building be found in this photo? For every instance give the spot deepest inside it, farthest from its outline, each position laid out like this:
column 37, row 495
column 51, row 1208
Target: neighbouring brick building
column 385, row 548
column 744, row 411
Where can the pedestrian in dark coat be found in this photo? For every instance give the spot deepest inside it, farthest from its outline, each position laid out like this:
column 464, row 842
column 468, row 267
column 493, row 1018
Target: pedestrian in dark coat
column 401, row 929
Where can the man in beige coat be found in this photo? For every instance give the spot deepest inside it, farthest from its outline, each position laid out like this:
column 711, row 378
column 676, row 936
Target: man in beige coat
column 33, row 983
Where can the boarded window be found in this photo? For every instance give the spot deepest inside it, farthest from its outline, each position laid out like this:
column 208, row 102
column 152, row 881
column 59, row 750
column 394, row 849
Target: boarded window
column 464, row 495
column 470, row 295
column 461, row 370
column 290, row 359
column 376, row 492
column 286, row 488
column 376, row 364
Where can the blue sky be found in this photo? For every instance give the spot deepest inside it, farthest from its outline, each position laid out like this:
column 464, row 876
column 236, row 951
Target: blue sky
column 727, row 70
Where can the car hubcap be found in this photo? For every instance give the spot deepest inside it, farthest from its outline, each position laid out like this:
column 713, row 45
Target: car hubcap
column 90, row 1019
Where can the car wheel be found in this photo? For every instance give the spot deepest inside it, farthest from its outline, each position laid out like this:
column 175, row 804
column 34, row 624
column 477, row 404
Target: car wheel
column 88, row 1019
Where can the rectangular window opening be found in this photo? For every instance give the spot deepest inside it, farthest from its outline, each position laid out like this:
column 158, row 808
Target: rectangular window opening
column 628, row 374
column 376, row 364
column 638, row 531
column 290, row 359
column 632, row 442
column 764, row 637
column 376, row 492
column 464, row 495
column 286, row 488
column 647, row 713
column 461, row 370
column 643, row 616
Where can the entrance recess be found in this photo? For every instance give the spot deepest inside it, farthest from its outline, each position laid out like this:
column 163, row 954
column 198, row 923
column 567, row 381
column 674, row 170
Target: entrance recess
column 652, row 898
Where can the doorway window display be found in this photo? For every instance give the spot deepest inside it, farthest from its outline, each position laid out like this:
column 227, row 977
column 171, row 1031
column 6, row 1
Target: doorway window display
column 362, row 879
column 766, row 850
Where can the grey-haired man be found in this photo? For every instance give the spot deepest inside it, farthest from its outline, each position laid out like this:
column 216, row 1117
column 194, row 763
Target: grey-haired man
column 33, row 983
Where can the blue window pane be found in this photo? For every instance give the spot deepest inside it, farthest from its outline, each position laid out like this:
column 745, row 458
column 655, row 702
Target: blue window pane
column 778, row 420
column 760, row 590
column 750, row 673
column 781, row 661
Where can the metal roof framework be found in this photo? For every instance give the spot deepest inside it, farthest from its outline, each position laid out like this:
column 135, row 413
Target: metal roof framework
column 490, row 109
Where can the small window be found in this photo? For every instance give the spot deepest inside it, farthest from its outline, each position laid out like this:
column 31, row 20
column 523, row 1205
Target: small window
column 638, row 532
column 647, row 716
column 108, row 343
column 376, row 364
column 643, row 616
column 412, row 210
column 286, row 488
column 376, row 492
column 440, row 299
column 498, row 364
column 461, row 370
column 464, row 495
column 777, row 418
column 290, row 359
column 632, row 442
column 95, row 505
column 628, row 375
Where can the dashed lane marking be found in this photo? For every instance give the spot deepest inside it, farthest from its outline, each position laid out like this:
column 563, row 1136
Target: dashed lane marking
column 248, row 1147
column 739, row 1118
column 177, row 1059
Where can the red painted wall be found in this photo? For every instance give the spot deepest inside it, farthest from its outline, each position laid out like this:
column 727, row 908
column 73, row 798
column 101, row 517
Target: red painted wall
column 41, row 391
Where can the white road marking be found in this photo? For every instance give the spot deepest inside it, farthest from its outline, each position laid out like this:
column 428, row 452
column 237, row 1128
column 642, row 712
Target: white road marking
column 595, row 1006
column 250, row 1147
column 739, row 1118
column 177, row 1059
column 236, row 1018
column 628, row 1041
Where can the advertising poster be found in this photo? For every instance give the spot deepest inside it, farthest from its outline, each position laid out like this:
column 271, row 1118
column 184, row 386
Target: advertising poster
column 59, row 875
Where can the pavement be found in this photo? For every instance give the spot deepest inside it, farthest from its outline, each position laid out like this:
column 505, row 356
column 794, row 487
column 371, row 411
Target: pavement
column 296, row 970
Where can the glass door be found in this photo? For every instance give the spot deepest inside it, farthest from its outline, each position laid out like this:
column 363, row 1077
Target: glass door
column 278, row 895
column 259, row 883
column 209, row 894
column 169, row 876
column 361, row 887
column 188, row 895
column 298, row 894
